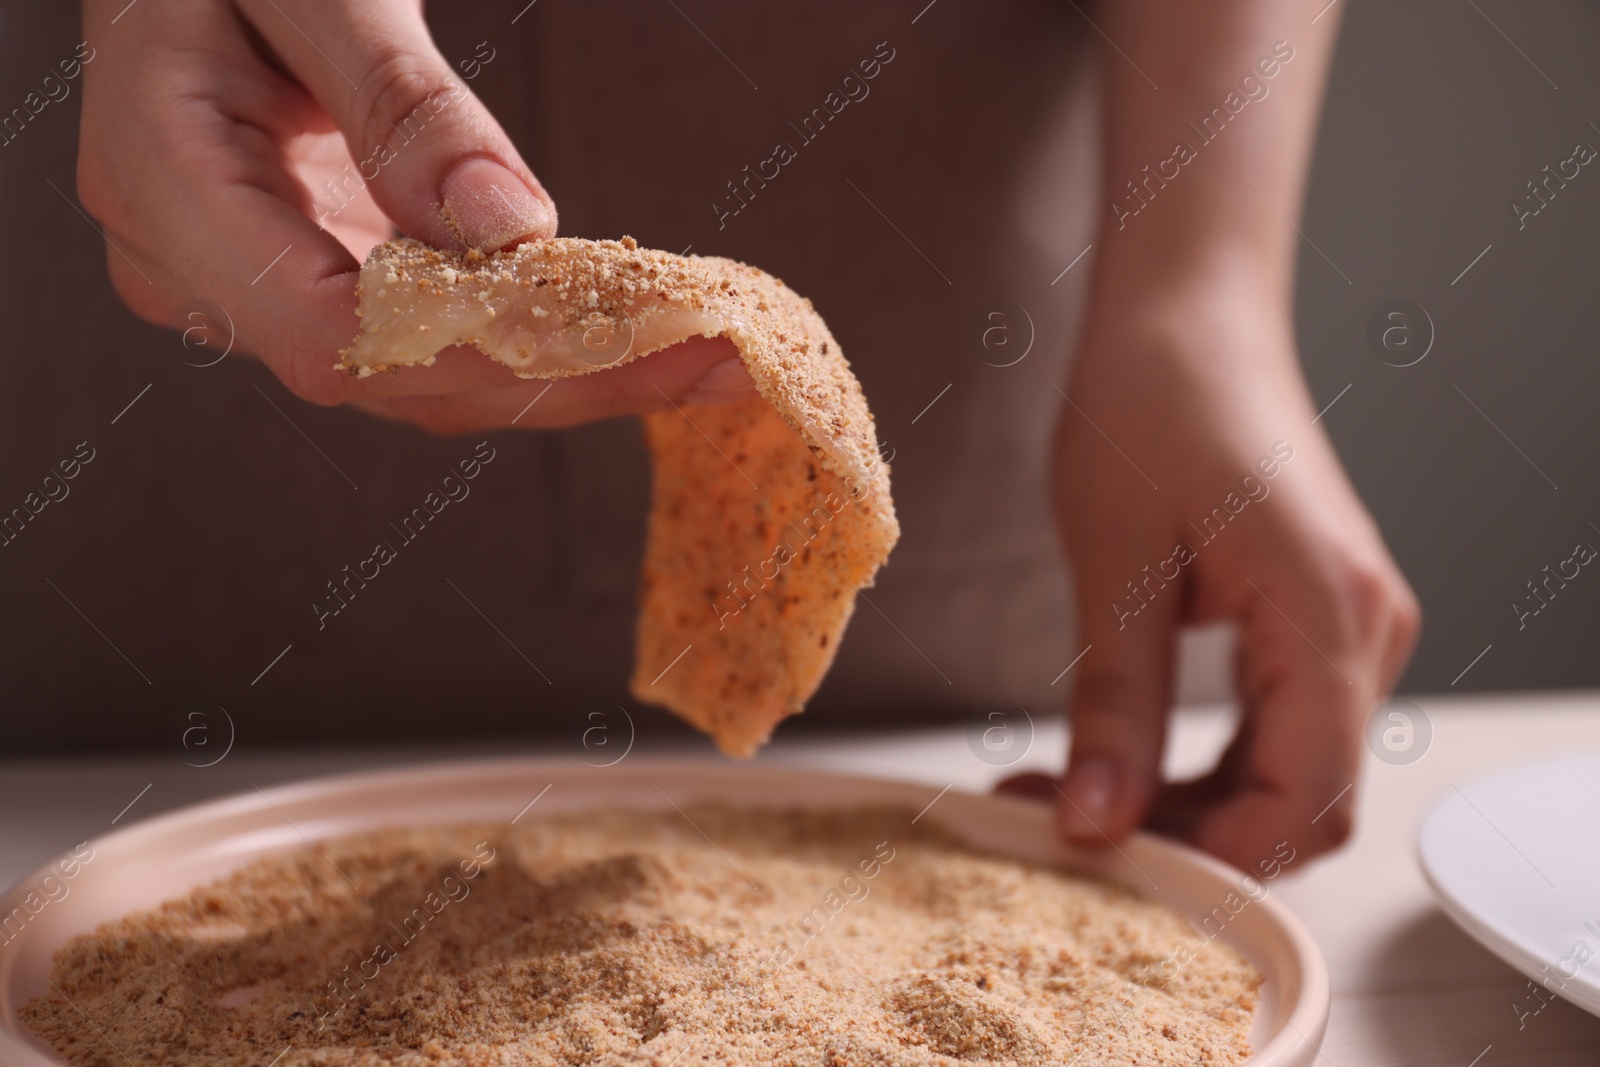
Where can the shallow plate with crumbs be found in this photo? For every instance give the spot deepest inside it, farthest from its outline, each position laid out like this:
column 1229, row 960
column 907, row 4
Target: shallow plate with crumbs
column 158, row 860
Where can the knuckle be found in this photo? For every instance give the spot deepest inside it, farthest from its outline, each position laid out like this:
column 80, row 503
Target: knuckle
column 1368, row 598
column 399, row 88
column 1366, row 593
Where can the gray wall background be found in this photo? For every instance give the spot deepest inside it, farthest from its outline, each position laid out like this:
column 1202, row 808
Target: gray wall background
column 1436, row 120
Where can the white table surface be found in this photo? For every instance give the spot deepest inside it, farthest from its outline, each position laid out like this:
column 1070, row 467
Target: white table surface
column 1409, row 988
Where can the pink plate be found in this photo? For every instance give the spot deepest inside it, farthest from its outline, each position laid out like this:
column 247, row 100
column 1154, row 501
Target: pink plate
column 164, row 857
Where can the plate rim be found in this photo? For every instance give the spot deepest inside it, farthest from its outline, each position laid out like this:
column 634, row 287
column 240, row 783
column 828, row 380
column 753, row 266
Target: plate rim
column 1507, row 947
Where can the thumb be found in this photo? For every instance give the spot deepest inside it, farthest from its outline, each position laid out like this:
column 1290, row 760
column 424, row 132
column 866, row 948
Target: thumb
column 431, row 154
column 1120, row 698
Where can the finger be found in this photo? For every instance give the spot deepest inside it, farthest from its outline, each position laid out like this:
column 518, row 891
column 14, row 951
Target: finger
column 433, row 156
column 694, row 373
column 1030, row 786
column 261, row 97
column 1290, row 778
column 143, row 284
column 1128, row 618
column 1180, row 807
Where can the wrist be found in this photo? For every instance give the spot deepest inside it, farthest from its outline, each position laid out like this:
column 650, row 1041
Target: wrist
column 1213, row 322
column 1171, row 258
column 1215, row 294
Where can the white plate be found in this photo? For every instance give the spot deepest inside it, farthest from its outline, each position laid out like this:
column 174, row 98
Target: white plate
column 1514, row 861
column 146, row 863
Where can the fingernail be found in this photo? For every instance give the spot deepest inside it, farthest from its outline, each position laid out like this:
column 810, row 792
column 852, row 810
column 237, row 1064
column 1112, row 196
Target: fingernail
column 487, row 207
column 726, row 382
column 1090, row 786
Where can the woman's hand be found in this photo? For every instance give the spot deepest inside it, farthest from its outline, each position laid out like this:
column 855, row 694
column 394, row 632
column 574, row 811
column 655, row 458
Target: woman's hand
column 1194, row 487
column 250, row 153
column 1187, row 405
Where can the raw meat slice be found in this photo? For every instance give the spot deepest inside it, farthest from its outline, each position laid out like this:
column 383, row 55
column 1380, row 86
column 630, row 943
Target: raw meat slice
column 767, row 517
